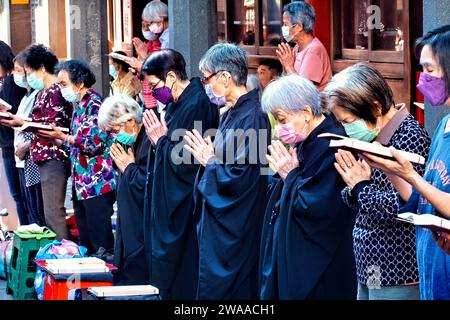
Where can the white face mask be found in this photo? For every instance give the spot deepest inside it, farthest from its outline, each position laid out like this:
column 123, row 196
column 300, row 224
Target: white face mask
column 287, row 33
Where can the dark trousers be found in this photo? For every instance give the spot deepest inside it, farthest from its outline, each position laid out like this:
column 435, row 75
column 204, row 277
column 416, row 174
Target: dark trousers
column 33, row 201
column 94, row 221
column 12, row 175
column 53, row 183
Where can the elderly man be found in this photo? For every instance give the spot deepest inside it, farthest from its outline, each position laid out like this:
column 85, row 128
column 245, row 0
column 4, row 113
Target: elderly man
column 230, row 191
column 309, row 58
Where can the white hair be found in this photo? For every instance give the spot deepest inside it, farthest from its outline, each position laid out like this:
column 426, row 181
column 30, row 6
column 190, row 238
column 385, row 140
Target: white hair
column 292, row 93
column 155, row 11
column 117, row 110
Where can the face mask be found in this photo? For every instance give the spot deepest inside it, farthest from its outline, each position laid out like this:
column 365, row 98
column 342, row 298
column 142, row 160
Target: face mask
column 358, row 130
column 287, row 33
column 163, row 95
column 35, row 83
column 18, row 80
column 126, row 139
column 155, row 29
column 433, row 88
column 217, row 100
column 113, row 72
column 148, row 35
column 69, row 95
column 287, row 134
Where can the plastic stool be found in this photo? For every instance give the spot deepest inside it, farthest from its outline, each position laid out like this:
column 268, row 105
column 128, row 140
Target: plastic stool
column 22, row 266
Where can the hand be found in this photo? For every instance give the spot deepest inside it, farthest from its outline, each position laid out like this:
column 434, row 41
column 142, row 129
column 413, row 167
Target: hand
column 140, row 47
column 15, row 121
column 136, row 64
column 154, row 128
column 287, row 57
column 283, row 161
column 443, row 241
column 22, row 150
column 122, row 158
column 201, row 149
column 399, row 167
column 3, row 108
column 55, row 134
column 351, row 170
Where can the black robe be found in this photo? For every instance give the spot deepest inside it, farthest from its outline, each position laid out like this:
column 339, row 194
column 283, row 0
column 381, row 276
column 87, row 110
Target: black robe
column 129, row 253
column 174, row 259
column 306, row 248
column 230, row 201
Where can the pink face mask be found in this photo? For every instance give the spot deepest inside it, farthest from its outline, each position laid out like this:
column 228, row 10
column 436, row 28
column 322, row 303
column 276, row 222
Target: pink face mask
column 287, row 134
column 157, row 29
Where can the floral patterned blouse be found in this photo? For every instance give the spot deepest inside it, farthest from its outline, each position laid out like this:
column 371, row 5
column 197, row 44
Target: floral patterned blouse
column 92, row 167
column 50, row 108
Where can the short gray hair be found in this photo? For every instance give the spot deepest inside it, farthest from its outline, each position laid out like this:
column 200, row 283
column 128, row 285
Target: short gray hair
column 117, row 110
column 301, row 12
column 155, row 10
column 292, row 93
column 226, row 57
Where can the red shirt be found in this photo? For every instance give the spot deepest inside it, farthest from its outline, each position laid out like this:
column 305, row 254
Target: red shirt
column 50, row 108
column 149, row 100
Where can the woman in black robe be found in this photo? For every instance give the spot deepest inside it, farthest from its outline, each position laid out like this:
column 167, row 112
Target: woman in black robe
column 174, row 257
column 123, row 116
column 230, row 190
column 306, row 248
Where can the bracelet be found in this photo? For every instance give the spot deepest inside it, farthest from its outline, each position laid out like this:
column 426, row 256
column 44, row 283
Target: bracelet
column 67, row 139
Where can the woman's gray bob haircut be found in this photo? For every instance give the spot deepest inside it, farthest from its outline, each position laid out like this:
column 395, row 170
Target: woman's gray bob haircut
column 226, row 57
column 292, row 93
column 155, row 10
column 117, row 110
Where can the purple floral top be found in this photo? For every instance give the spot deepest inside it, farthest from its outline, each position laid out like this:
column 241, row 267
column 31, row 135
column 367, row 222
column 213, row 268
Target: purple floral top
column 50, row 108
column 92, row 167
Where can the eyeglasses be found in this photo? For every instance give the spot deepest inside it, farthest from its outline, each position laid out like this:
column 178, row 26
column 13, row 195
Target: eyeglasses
column 205, row 80
column 153, row 86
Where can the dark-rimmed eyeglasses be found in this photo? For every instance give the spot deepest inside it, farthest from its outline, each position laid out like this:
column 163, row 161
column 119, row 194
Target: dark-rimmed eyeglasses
column 205, row 80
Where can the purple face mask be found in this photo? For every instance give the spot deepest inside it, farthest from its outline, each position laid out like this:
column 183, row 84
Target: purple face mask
column 163, row 95
column 433, row 88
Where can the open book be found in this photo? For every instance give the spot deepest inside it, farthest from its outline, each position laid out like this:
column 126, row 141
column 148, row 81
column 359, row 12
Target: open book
column 362, row 146
column 428, row 221
column 123, row 291
column 5, row 104
column 35, row 127
column 6, row 116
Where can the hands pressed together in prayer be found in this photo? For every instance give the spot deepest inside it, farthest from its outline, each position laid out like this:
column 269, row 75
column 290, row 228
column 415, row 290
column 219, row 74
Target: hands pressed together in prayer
column 154, row 127
column 287, row 57
column 283, row 160
column 202, row 149
column 351, row 170
column 122, row 158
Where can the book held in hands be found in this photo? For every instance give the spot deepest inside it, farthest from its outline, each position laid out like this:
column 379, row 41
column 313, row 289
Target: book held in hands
column 428, row 221
column 337, row 141
column 34, row 127
column 5, row 104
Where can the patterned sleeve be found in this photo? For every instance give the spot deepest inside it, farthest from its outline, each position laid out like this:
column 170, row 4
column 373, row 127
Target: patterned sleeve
column 58, row 110
column 88, row 137
column 348, row 199
column 385, row 203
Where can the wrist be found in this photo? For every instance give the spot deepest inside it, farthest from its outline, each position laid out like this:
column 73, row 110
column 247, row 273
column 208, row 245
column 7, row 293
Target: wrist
column 413, row 178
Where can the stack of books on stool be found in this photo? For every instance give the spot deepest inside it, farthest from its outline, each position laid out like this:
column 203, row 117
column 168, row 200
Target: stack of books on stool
column 65, row 275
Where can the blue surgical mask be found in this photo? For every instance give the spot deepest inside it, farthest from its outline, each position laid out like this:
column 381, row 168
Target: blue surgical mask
column 69, row 95
column 358, row 130
column 113, row 72
column 18, row 80
column 34, row 82
column 148, row 35
column 217, row 100
column 125, row 138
